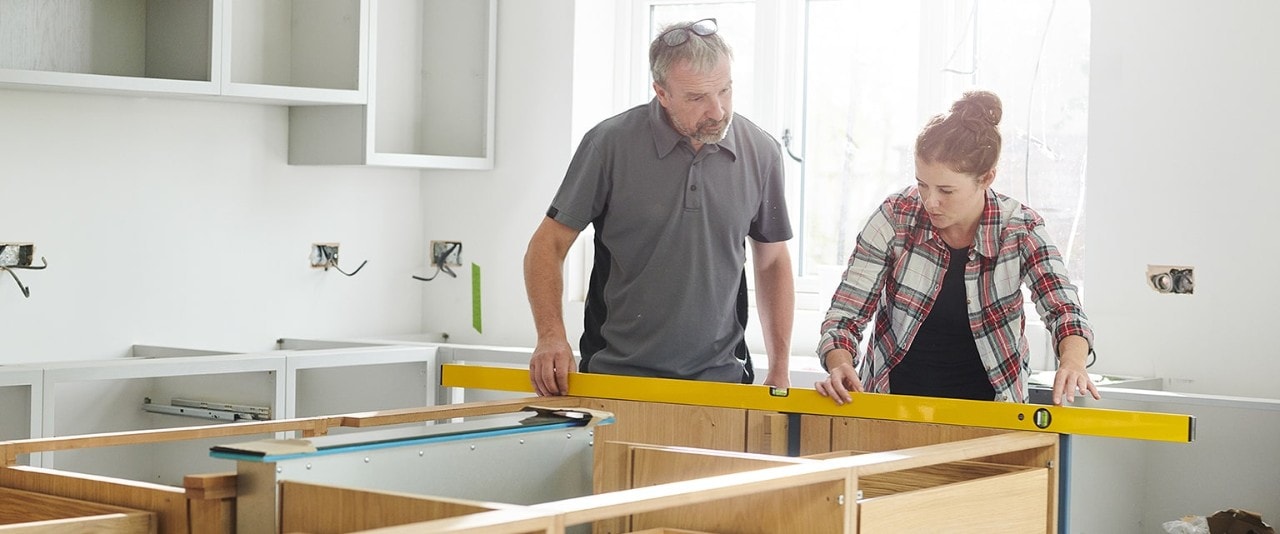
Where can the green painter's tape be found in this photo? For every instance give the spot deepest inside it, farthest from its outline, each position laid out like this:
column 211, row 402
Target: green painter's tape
column 475, row 298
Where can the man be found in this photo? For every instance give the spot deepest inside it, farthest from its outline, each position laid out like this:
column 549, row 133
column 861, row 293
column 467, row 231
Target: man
column 674, row 188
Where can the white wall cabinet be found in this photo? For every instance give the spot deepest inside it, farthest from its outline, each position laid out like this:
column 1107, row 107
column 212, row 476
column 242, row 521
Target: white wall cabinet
column 399, row 83
column 295, row 51
column 432, row 66
column 133, row 46
column 257, row 50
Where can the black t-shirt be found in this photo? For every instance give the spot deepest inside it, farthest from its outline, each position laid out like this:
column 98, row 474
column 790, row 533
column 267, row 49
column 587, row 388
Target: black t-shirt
column 943, row 359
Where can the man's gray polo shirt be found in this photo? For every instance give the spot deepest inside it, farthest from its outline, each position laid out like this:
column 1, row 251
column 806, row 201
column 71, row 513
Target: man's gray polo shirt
column 667, row 295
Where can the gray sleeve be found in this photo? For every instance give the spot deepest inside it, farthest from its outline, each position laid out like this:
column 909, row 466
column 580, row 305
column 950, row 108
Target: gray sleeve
column 772, row 222
column 584, row 192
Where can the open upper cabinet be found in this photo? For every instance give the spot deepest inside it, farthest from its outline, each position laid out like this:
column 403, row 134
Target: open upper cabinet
column 403, row 83
column 271, row 51
column 432, row 68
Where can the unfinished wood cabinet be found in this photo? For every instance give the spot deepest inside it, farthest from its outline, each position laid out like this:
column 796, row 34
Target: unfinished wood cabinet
column 25, row 511
column 988, row 483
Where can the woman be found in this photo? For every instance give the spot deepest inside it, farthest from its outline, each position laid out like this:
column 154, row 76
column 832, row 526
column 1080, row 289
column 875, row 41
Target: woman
column 941, row 266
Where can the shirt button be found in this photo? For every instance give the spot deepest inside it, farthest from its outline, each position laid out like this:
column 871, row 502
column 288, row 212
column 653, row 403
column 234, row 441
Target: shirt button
column 693, row 187
column 968, row 301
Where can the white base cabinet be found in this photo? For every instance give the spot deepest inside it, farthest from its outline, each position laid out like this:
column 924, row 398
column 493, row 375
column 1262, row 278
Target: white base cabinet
column 163, row 388
column 20, row 404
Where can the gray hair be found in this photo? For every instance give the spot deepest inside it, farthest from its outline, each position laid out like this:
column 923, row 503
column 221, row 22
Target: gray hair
column 704, row 53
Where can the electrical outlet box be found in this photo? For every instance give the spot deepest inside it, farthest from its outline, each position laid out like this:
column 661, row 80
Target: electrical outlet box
column 17, row 254
column 446, row 253
column 324, row 254
column 1175, row 279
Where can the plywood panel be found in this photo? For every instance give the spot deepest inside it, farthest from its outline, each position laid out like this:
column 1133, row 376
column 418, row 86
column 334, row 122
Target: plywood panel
column 1004, row 504
column 18, row 507
column 815, row 434
column 812, row 508
column 882, row 484
column 804, row 509
column 169, row 504
column 657, row 424
column 673, row 424
column 651, row 466
column 320, row 509
column 872, row 435
column 767, row 432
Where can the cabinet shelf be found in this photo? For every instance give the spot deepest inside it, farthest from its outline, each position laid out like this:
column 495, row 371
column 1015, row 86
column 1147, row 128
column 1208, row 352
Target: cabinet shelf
column 145, row 46
column 432, row 68
column 295, row 52
column 427, row 101
column 91, row 397
column 267, row 51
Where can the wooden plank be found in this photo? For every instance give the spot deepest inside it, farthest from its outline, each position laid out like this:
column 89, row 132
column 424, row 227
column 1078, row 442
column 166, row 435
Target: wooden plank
column 521, row 520
column 101, row 524
column 815, row 434
column 212, row 516
column 880, row 435
column 810, row 508
column 211, row 501
column 20, row 507
column 436, row 413
column 210, row 486
column 652, row 465
column 308, row 426
column 882, row 484
column 799, row 509
column 169, row 504
column 767, row 432
column 1003, row 504
column 657, row 424
column 321, row 509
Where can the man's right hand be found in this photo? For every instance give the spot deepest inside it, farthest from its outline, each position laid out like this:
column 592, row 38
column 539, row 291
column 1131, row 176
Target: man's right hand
column 550, row 366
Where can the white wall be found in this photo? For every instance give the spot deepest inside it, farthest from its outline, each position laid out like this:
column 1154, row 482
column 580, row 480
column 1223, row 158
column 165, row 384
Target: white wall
column 1182, row 147
column 175, row 222
column 494, row 213
column 1183, row 141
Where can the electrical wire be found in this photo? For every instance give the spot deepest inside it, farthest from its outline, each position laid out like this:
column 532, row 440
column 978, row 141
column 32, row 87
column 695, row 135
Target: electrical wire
column 441, row 264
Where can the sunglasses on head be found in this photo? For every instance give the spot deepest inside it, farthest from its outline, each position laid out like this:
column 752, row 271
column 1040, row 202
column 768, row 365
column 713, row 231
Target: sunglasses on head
column 680, row 35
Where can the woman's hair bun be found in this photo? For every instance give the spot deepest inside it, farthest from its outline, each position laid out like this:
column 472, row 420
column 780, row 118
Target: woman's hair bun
column 979, row 105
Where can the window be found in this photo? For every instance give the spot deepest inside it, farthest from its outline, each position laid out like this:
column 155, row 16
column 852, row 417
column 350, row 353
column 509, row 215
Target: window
column 847, row 84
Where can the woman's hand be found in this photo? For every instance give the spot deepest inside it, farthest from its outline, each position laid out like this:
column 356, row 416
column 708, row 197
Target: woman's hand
column 842, row 378
column 1071, row 380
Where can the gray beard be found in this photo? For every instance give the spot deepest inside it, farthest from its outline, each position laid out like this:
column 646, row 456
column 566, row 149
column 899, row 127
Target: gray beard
column 716, row 137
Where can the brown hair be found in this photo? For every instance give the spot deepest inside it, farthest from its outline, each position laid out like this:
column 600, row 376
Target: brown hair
column 965, row 139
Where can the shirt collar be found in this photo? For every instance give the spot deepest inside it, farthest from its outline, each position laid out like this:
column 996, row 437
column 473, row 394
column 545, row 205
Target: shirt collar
column 986, row 243
column 666, row 138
